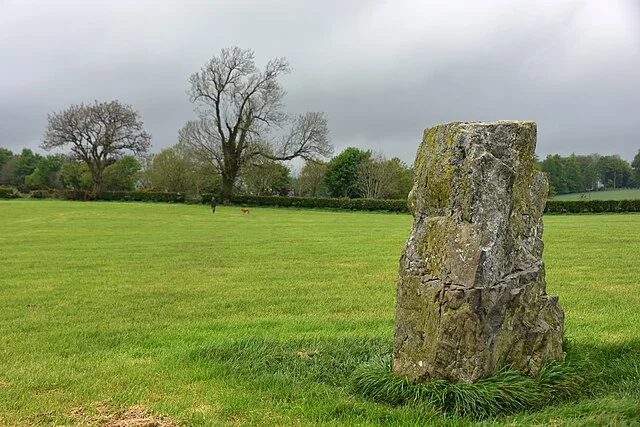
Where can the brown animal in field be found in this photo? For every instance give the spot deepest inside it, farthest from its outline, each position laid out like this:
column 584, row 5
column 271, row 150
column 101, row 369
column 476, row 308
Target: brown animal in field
column 245, row 210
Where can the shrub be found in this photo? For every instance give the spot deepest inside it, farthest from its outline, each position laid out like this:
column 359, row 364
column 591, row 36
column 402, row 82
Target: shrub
column 76, row 195
column 41, row 194
column 9, row 193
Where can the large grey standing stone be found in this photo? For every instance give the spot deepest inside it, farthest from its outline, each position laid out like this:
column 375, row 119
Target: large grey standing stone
column 471, row 289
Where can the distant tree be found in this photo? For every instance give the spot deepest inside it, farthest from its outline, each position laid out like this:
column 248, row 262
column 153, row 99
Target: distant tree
column 552, row 167
column 178, row 169
column 635, row 167
column 614, row 172
column 588, row 171
column 98, row 134
column 238, row 107
column 122, row 175
column 5, row 155
column 402, row 181
column 7, row 170
column 374, row 177
column 266, row 179
column 25, row 163
column 47, row 173
column 563, row 173
column 76, row 175
column 311, row 181
column 342, row 172
column 380, row 178
column 572, row 174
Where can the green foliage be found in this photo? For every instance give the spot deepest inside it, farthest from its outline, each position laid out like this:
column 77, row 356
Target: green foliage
column 506, row 392
column 379, row 178
column 563, row 174
column 42, row 194
column 9, row 192
column 401, row 179
column 179, row 169
column 140, row 196
column 342, row 172
column 6, row 171
column 123, row 196
column 266, row 178
column 614, row 172
column 592, row 206
column 121, row 175
column 47, row 174
column 588, row 171
column 311, row 181
column 575, row 174
column 635, row 167
column 5, row 155
column 25, row 164
column 76, row 175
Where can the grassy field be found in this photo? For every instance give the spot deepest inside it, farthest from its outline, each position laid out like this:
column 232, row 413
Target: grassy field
column 260, row 318
column 624, row 194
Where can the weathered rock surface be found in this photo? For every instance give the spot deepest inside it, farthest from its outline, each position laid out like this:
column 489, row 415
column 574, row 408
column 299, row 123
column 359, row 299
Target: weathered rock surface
column 471, row 289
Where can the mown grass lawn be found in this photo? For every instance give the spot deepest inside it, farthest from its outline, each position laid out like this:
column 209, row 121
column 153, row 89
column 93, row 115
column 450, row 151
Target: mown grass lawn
column 623, row 194
column 260, row 318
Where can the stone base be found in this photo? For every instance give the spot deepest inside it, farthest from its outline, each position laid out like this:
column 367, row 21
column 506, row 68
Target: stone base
column 470, row 333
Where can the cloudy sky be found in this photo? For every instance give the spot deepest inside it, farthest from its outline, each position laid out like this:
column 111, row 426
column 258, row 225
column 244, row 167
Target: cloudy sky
column 382, row 70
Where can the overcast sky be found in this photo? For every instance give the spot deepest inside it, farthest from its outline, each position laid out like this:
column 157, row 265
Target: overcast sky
column 381, row 70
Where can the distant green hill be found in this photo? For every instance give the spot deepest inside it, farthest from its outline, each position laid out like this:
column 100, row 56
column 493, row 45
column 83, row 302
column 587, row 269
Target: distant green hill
column 625, row 194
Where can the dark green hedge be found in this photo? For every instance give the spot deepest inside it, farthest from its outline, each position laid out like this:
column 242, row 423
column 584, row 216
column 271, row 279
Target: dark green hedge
column 125, row 196
column 553, row 206
column 41, row 194
column 318, row 202
column 141, row 196
column 592, row 206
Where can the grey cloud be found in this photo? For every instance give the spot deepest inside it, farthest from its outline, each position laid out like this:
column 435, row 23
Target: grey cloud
column 381, row 70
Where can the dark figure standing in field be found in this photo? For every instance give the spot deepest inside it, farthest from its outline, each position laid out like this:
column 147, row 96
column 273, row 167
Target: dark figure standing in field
column 213, row 205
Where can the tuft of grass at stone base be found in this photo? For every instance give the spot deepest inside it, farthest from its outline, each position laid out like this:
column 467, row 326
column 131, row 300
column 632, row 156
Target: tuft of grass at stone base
column 505, row 393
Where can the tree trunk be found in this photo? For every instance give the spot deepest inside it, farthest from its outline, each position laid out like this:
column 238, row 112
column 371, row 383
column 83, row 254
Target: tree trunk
column 227, row 189
column 97, row 184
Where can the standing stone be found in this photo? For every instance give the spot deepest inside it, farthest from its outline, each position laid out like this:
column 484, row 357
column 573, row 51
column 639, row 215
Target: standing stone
column 471, row 289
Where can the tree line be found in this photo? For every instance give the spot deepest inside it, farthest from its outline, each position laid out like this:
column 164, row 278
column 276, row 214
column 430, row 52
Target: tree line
column 583, row 173
column 352, row 173
column 180, row 169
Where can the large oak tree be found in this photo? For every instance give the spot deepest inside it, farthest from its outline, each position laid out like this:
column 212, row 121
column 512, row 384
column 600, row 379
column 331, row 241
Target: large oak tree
column 240, row 111
column 98, row 134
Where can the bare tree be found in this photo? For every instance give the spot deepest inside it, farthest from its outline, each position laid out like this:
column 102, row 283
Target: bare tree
column 374, row 177
column 98, row 134
column 312, row 179
column 238, row 106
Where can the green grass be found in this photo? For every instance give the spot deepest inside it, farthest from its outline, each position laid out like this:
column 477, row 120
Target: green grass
column 624, row 194
column 261, row 319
